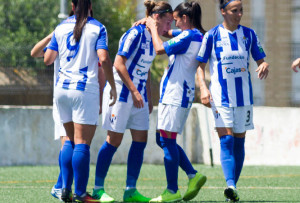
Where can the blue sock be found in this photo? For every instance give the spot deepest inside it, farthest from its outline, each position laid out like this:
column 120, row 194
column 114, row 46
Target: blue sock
column 239, row 156
column 81, row 167
column 227, row 159
column 171, row 161
column 134, row 163
column 59, row 180
column 66, row 164
column 105, row 156
column 184, row 162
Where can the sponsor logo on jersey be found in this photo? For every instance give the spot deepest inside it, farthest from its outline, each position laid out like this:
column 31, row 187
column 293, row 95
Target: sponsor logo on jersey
column 140, row 72
column 147, row 62
column 228, row 58
column 145, row 46
column 178, row 38
column 234, row 70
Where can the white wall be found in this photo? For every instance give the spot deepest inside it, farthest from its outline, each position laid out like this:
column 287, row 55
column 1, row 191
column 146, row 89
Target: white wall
column 27, row 137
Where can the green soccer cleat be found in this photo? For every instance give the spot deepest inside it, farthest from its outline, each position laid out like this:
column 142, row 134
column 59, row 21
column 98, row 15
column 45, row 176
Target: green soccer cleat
column 167, row 196
column 133, row 195
column 101, row 195
column 194, row 186
column 231, row 194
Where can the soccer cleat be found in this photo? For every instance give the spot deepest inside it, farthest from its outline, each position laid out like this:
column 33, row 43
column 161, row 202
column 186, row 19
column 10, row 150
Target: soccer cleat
column 231, row 194
column 56, row 193
column 133, row 195
column 87, row 198
column 167, row 196
column 101, row 195
column 66, row 195
column 194, row 186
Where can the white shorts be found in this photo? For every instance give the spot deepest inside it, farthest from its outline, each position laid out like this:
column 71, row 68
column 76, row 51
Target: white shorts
column 77, row 106
column 171, row 118
column 59, row 130
column 122, row 116
column 240, row 119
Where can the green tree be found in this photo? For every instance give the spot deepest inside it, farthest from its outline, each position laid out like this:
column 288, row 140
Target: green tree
column 25, row 22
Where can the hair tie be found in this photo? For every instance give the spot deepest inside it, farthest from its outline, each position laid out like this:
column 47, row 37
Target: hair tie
column 223, row 7
column 162, row 11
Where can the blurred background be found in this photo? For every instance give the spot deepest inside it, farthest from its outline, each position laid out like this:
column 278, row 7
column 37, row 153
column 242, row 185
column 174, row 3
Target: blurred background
column 27, row 81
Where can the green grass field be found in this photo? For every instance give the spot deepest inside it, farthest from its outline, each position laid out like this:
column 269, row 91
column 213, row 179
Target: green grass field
column 257, row 184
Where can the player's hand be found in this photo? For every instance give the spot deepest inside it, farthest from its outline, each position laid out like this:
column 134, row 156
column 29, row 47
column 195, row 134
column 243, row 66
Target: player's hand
column 140, row 22
column 137, row 99
column 296, row 64
column 113, row 96
column 262, row 70
column 205, row 97
column 151, row 23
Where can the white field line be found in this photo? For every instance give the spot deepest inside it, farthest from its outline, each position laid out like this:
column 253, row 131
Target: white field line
column 161, row 187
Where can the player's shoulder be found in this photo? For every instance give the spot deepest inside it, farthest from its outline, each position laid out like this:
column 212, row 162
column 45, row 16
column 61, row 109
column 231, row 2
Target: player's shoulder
column 93, row 21
column 139, row 29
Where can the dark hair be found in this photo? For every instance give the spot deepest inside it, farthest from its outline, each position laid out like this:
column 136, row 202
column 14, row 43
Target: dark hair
column 193, row 11
column 224, row 3
column 82, row 12
column 160, row 7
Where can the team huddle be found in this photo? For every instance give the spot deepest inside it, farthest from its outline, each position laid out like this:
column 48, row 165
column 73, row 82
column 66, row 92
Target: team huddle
column 78, row 47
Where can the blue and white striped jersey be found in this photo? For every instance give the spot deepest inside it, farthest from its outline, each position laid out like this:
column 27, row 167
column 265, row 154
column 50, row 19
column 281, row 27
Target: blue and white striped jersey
column 78, row 61
column 177, row 85
column 136, row 45
column 229, row 54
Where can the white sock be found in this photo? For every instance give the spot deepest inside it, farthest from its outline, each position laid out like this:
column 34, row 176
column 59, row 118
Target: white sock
column 190, row 176
column 98, row 187
column 130, row 188
column 171, row 191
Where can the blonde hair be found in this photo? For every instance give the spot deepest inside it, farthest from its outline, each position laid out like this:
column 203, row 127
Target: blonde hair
column 160, row 7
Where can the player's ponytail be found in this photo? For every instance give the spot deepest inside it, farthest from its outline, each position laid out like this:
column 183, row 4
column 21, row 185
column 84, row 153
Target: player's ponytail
column 82, row 13
column 193, row 11
column 160, row 7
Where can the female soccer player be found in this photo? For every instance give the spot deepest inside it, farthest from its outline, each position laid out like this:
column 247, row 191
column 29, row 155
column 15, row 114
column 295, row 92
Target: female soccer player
column 79, row 41
column 296, row 64
column 177, row 94
column 132, row 74
column 228, row 47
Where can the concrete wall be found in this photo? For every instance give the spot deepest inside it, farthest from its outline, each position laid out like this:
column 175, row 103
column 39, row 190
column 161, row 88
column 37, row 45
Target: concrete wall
column 27, row 138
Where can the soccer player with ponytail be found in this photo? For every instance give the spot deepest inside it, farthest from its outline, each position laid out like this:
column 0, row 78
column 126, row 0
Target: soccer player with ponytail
column 79, row 41
column 176, row 96
column 228, row 47
column 131, row 111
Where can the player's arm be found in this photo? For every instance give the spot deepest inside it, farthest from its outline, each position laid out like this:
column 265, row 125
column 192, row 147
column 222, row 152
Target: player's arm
column 106, row 63
column 38, row 49
column 120, row 66
column 296, row 64
column 263, row 69
column 157, row 42
column 102, row 81
column 169, row 34
column 149, row 94
column 50, row 56
column 205, row 95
